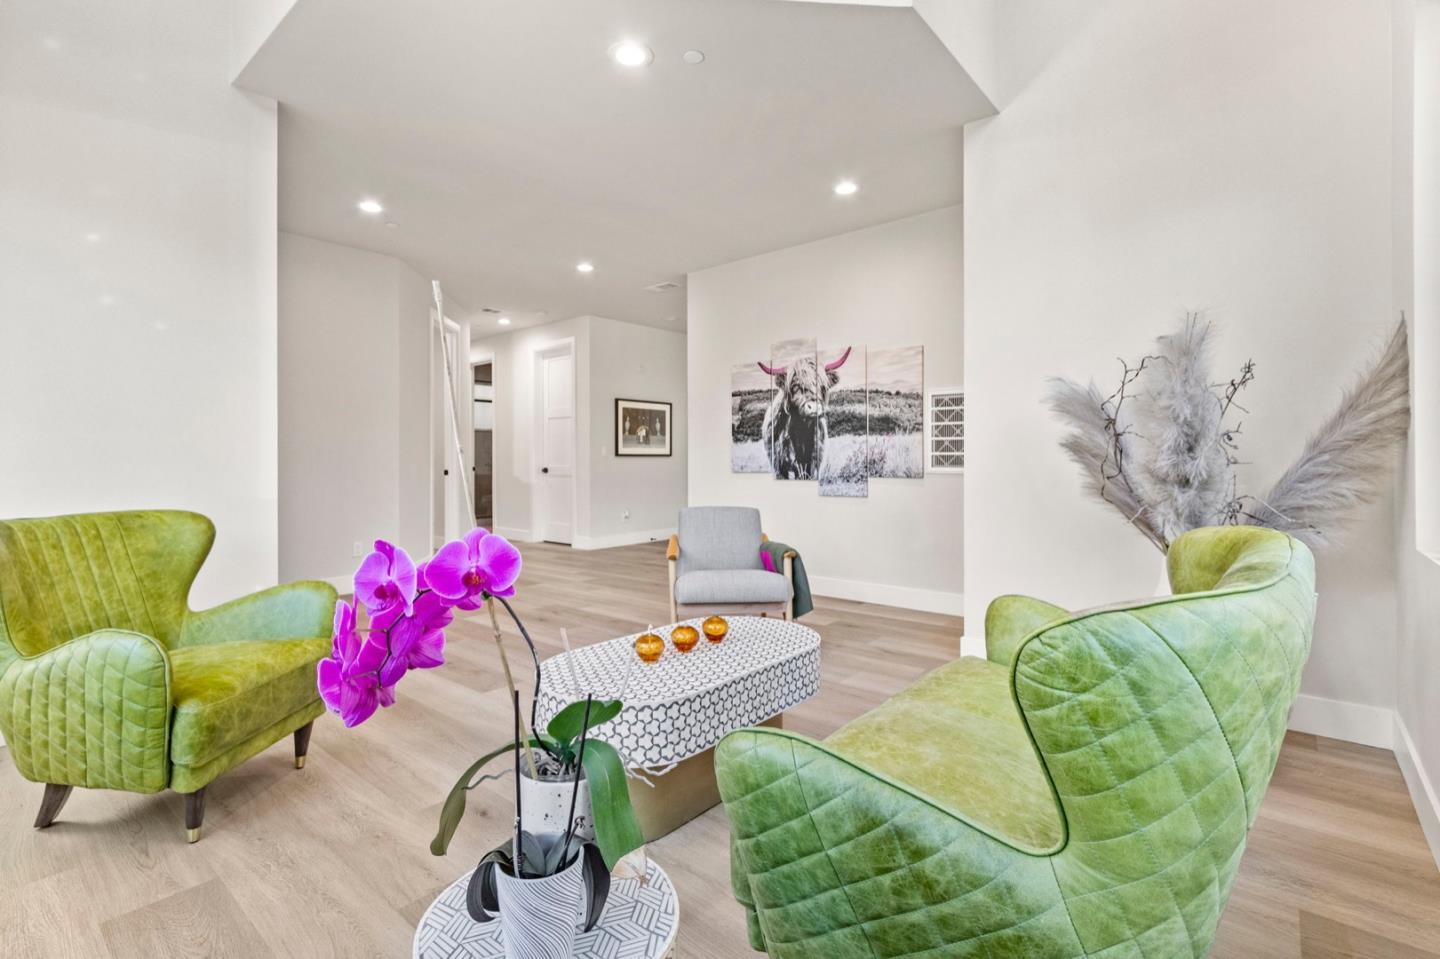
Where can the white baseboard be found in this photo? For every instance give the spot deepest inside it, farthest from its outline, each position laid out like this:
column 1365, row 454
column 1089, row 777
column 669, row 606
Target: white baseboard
column 516, row 535
column 883, row 594
column 1336, row 719
column 1422, row 788
column 623, row 539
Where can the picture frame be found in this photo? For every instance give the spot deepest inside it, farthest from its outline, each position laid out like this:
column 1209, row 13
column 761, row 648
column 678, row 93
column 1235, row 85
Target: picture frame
column 643, row 428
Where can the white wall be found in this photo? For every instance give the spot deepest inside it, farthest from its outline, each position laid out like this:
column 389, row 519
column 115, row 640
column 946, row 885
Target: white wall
column 1417, row 275
column 1168, row 155
column 639, row 363
column 137, row 275
column 897, row 284
column 612, row 359
column 354, row 406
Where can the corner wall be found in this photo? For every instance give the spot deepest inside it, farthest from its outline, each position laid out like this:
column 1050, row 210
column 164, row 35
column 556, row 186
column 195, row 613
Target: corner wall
column 354, row 386
column 1228, row 156
column 896, row 284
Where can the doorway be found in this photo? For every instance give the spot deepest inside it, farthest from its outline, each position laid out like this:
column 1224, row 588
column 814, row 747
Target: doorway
column 483, row 418
column 555, row 373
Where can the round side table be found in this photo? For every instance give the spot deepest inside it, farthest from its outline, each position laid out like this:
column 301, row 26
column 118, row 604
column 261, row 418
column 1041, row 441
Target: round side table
column 640, row 920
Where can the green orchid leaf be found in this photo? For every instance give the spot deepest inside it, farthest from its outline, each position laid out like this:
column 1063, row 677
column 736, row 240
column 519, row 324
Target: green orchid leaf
column 568, row 722
column 482, row 899
column 617, row 830
column 453, row 809
column 532, row 865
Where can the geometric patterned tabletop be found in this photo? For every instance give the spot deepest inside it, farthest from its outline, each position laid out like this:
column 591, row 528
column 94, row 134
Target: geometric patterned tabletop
column 687, row 702
column 639, row 922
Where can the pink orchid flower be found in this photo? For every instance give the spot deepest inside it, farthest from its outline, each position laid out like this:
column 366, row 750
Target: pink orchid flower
column 480, row 562
column 348, row 679
column 386, row 579
column 417, row 641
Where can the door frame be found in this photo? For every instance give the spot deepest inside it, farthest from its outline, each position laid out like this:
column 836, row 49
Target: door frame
column 440, row 410
column 563, row 346
column 480, row 359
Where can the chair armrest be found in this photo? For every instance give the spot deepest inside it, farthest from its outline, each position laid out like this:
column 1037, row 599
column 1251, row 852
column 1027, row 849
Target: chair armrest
column 92, row 712
column 1010, row 619
column 672, row 551
column 293, row 611
column 825, row 853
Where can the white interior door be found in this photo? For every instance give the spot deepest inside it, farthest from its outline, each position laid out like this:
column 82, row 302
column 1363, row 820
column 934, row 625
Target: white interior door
column 557, row 455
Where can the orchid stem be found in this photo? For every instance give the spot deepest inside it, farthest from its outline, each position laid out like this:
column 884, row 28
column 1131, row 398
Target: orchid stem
column 525, row 736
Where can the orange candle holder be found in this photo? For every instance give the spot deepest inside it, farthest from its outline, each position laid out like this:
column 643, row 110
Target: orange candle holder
column 649, row 647
column 715, row 628
column 685, row 638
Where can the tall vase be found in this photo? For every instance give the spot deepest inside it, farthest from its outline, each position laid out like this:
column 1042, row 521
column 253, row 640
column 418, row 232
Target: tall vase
column 539, row 917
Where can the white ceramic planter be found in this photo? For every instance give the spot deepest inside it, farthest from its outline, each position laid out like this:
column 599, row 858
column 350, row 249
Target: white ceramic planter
column 545, row 804
column 539, row 917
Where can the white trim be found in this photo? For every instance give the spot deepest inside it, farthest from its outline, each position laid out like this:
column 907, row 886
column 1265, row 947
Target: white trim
column 1336, row 719
column 516, row 535
column 883, row 594
column 622, row 539
column 1422, row 791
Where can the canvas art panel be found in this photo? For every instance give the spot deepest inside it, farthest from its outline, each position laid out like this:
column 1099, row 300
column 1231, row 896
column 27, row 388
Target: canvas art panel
column 844, row 468
column 896, row 412
column 789, row 428
column 642, row 428
column 750, row 392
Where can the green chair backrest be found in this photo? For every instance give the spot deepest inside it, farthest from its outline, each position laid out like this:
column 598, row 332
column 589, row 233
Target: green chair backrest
column 1160, row 723
column 65, row 576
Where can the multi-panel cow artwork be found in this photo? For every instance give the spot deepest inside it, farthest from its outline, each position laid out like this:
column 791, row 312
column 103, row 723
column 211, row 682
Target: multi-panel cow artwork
column 840, row 415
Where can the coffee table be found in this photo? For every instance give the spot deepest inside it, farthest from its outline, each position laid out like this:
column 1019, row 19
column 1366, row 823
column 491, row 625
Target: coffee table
column 639, row 922
column 676, row 710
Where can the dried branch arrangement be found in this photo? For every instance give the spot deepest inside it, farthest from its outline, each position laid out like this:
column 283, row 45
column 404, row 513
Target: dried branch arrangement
column 1162, row 447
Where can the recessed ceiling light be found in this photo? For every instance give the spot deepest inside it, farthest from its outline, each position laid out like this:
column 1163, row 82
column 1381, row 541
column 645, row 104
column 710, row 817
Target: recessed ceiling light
column 585, row 267
column 846, row 188
column 693, row 57
column 503, row 321
column 370, row 206
column 628, row 53
column 92, row 238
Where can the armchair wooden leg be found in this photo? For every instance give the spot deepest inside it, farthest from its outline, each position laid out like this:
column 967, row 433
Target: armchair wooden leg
column 51, row 804
column 194, row 814
column 302, row 743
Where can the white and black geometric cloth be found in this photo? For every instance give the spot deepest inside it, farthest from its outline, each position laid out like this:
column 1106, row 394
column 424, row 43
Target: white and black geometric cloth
column 687, row 702
column 639, row 922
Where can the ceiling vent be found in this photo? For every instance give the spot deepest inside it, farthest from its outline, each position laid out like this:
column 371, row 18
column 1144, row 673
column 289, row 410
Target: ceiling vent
column 663, row 287
column 488, row 309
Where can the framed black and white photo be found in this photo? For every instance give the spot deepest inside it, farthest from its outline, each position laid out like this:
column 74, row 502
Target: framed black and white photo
column 642, row 428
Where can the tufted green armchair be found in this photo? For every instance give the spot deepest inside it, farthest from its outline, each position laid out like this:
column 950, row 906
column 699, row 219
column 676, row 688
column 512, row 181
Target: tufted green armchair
column 1086, row 790
column 109, row 680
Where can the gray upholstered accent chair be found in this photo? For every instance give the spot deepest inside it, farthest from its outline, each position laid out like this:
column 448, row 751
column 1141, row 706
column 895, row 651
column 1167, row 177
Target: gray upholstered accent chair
column 715, row 566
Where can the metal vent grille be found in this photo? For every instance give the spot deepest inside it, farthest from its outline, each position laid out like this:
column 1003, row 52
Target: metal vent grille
column 945, row 438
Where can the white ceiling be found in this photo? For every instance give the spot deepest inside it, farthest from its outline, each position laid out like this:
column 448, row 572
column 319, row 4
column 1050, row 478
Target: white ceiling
column 507, row 146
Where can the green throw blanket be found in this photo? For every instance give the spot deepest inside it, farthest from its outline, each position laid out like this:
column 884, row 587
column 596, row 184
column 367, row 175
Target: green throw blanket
column 798, row 580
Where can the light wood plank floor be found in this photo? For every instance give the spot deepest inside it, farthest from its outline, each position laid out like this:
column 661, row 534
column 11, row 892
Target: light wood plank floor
column 333, row 860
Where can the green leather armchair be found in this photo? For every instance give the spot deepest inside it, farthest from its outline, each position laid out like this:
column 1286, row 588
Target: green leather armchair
column 109, row 680
column 1085, row 790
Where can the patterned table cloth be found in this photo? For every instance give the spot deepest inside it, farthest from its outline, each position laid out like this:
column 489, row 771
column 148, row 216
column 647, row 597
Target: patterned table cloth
column 687, row 702
column 639, row 922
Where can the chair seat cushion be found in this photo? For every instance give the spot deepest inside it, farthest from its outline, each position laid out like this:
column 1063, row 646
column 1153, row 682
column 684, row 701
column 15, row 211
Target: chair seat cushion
column 731, row 586
column 957, row 737
column 224, row 693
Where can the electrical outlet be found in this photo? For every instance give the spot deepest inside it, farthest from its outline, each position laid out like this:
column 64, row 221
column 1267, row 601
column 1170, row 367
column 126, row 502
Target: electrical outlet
column 358, row 549
column 625, row 514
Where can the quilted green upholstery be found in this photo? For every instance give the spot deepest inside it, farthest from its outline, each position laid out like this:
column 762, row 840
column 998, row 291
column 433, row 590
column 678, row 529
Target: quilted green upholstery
column 109, row 680
column 1155, row 726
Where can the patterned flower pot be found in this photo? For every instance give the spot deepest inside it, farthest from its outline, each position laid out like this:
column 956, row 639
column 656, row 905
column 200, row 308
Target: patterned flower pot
column 539, row 917
column 545, row 803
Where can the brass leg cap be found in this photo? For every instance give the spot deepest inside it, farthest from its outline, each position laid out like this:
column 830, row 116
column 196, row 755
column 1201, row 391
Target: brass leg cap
column 299, row 762
column 192, row 835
